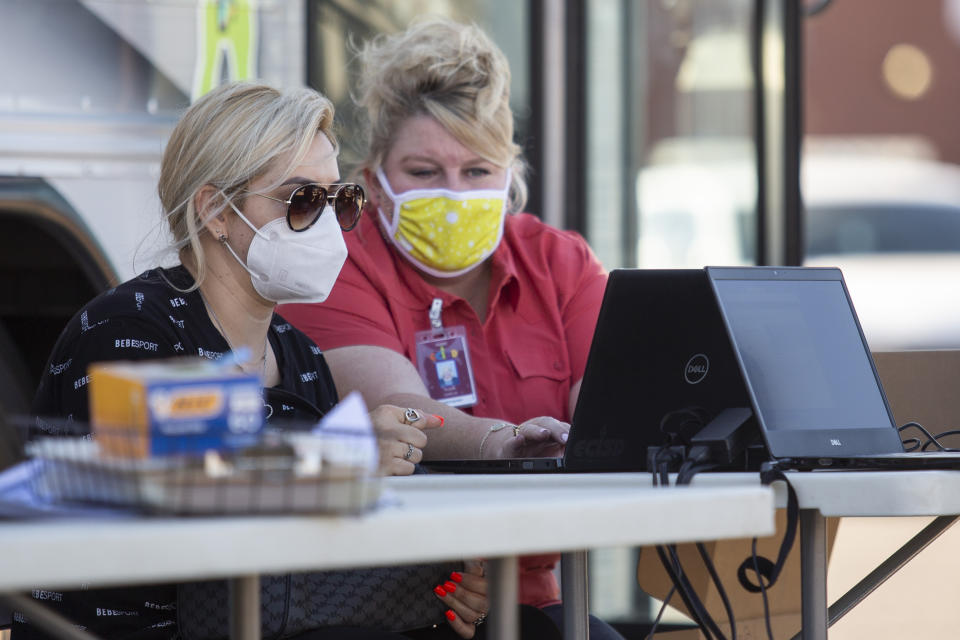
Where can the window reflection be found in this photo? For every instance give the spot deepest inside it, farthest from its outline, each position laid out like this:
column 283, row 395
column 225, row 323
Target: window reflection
column 881, row 174
column 684, row 178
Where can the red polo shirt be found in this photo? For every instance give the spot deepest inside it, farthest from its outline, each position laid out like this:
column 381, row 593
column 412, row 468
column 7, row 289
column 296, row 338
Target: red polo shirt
column 545, row 293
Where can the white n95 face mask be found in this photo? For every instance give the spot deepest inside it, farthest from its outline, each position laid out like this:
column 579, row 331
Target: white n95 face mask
column 294, row 266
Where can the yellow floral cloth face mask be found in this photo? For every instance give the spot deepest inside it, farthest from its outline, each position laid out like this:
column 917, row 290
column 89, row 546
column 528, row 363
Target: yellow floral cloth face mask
column 445, row 233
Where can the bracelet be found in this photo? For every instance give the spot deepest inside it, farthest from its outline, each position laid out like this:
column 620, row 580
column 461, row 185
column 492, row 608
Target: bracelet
column 497, row 427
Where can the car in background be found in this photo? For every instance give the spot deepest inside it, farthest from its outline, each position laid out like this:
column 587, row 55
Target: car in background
column 891, row 223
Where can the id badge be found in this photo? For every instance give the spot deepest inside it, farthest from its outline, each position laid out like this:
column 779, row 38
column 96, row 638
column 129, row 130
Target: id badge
column 443, row 360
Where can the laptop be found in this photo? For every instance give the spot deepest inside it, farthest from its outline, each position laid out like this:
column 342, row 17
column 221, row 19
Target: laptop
column 660, row 366
column 812, row 382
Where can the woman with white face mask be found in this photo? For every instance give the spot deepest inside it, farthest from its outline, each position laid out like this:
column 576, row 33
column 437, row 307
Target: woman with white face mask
column 449, row 302
column 253, row 198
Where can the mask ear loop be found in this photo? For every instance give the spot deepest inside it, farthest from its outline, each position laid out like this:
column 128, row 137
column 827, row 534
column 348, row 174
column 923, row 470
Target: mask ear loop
column 223, row 240
column 390, row 225
column 244, row 218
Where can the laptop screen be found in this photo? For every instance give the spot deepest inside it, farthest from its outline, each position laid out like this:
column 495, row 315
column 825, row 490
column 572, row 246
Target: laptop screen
column 801, row 349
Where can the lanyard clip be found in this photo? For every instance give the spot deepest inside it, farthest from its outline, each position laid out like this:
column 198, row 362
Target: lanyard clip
column 435, row 308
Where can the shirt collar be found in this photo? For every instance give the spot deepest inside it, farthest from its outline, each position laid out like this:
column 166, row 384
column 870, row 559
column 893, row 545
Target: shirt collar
column 503, row 275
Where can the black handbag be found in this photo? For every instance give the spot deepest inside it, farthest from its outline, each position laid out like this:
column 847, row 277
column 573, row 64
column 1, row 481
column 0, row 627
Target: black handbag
column 386, row 598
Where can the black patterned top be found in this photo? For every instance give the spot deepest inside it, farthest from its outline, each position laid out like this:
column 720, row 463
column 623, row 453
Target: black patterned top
column 150, row 317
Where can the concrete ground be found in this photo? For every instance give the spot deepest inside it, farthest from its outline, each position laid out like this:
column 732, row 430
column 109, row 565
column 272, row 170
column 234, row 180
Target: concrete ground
column 921, row 601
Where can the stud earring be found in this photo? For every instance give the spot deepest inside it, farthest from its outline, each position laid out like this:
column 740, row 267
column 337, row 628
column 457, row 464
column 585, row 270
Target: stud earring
column 222, row 237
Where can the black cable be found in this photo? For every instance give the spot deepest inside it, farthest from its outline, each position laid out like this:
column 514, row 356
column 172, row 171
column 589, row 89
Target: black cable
column 910, row 425
column 671, row 561
column 768, row 572
column 693, row 465
column 763, row 589
column 912, row 444
column 708, row 562
column 663, row 607
column 768, row 569
column 936, row 440
column 687, row 471
column 951, row 432
column 661, row 468
column 705, row 616
column 681, row 585
column 931, row 439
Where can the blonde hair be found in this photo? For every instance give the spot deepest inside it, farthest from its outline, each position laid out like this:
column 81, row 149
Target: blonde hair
column 450, row 71
column 227, row 138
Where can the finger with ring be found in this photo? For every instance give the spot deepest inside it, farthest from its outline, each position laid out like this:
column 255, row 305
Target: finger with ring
column 480, row 619
column 409, row 453
column 410, row 416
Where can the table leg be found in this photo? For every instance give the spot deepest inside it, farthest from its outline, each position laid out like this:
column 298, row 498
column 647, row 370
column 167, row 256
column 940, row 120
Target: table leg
column 576, row 605
column 813, row 575
column 245, row 608
column 504, row 593
column 888, row 567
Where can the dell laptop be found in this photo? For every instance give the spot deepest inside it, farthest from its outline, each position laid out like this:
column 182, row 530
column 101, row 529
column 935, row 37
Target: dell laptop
column 813, row 386
column 660, row 367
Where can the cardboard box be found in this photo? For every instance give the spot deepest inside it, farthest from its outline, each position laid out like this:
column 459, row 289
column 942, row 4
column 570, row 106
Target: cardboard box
column 921, row 386
column 783, row 597
column 183, row 405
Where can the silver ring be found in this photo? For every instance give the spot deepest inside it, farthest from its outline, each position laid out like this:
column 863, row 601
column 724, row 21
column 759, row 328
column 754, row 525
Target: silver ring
column 411, row 415
column 409, row 452
column 479, row 620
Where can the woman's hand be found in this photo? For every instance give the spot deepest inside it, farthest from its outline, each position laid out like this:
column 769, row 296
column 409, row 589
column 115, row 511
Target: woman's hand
column 542, row 437
column 466, row 596
column 400, row 437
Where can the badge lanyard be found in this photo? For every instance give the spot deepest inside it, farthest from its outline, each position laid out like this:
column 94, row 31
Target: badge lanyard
column 443, row 360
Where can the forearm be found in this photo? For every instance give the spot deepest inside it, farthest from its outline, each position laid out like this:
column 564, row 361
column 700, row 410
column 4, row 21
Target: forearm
column 387, row 377
column 461, row 434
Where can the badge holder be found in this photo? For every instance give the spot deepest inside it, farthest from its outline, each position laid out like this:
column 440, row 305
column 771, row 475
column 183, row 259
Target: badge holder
column 443, row 360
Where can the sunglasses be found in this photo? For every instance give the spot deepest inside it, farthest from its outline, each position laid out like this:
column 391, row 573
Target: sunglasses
column 308, row 201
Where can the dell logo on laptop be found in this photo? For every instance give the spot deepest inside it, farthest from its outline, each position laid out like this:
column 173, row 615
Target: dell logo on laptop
column 696, row 368
column 835, row 442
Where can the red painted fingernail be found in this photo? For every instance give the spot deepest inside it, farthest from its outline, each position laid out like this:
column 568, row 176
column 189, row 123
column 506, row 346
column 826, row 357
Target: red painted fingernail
column 439, row 590
column 440, row 418
column 451, row 616
column 456, row 576
column 449, row 586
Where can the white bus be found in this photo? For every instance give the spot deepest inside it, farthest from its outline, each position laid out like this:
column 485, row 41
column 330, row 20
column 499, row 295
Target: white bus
column 89, row 91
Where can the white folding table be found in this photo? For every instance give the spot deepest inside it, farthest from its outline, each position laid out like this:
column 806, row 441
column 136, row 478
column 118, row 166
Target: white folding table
column 495, row 517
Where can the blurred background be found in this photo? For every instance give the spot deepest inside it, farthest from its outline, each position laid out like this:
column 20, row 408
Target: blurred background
column 671, row 133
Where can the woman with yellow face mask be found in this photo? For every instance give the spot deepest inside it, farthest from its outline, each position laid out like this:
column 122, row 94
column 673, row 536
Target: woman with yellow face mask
column 450, row 302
